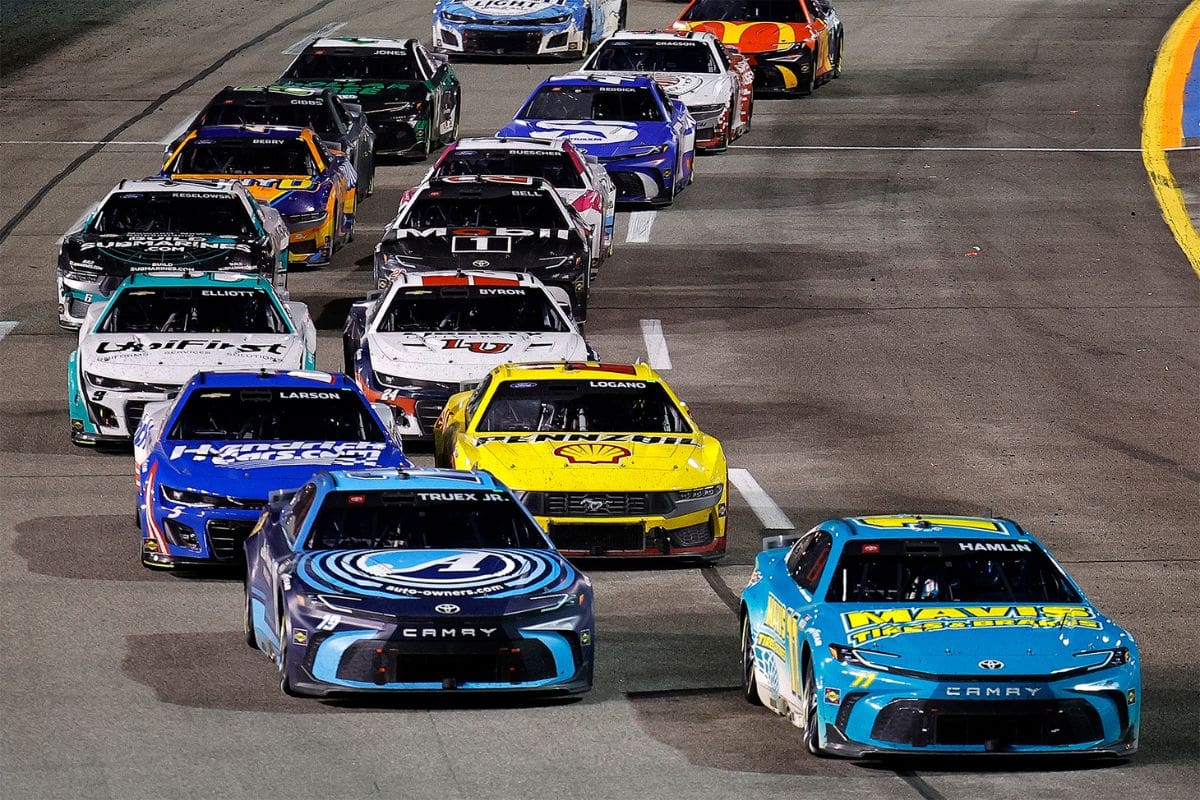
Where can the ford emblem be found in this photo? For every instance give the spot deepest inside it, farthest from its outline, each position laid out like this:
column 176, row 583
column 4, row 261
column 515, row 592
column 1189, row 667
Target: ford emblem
column 991, row 663
column 447, row 608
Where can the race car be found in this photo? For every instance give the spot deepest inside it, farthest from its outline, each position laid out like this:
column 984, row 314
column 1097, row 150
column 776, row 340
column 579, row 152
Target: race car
column 644, row 138
column 794, row 46
column 414, row 580
column 157, row 224
column 435, row 333
column 562, row 28
column 287, row 168
column 934, row 635
column 207, row 462
column 411, row 97
column 579, row 179
column 161, row 328
column 509, row 223
column 605, row 456
column 715, row 83
column 342, row 126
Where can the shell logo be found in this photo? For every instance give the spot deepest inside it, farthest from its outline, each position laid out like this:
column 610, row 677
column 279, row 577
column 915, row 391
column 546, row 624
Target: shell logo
column 592, row 453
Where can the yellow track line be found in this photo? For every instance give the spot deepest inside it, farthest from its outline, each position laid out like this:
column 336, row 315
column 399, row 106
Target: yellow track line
column 1162, row 125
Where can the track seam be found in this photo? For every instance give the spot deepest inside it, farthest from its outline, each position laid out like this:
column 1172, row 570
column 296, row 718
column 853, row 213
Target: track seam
column 107, row 139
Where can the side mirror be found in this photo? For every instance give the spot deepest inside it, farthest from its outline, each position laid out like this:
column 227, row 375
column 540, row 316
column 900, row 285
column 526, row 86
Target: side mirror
column 561, row 299
column 393, row 426
column 781, row 540
column 91, row 317
column 354, row 110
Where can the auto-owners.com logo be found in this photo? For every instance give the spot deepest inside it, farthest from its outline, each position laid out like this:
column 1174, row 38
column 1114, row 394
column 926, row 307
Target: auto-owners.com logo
column 991, row 663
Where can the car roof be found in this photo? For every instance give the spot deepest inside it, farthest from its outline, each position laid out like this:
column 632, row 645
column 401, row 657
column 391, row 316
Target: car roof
column 576, row 79
column 575, row 370
column 168, row 277
column 271, row 90
column 363, row 42
column 410, row 479
column 149, row 185
column 297, row 379
column 474, row 277
column 249, row 132
column 558, row 143
column 664, row 35
column 930, row 526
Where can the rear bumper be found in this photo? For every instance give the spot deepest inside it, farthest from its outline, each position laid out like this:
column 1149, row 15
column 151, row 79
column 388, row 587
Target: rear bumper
column 559, row 40
column 699, row 535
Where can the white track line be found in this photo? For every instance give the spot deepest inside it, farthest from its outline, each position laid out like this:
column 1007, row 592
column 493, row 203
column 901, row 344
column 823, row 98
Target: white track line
column 295, row 49
column 769, row 514
column 854, row 148
column 366, row 228
column 656, row 344
column 640, row 223
column 6, row 328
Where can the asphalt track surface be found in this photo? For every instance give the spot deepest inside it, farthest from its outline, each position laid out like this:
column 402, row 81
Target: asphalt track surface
column 871, row 317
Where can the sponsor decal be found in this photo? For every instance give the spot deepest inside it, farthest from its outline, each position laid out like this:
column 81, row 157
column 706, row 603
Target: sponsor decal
column 585, row 638
column 481, row 348
column 585, row 132
column 300, row 636
column 433, row 573
column 352, row 88
column 269, row 454
column 191, row 345
column 480, row 233
column 602, row 438
column 507, row 8
column 592, row 453
column 832, row 696
column 768, row 643
column 169, row 243
column 952, row 522
column 869, row 626
column 283, row 184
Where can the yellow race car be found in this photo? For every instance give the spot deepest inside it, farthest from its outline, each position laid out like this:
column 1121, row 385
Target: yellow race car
column 311, row 185
column 605, row 456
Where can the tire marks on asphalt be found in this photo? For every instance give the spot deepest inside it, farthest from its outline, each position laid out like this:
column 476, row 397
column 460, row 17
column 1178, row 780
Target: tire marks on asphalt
column 29, row 207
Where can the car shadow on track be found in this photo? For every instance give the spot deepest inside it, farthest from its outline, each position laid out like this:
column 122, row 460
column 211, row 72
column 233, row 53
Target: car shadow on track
column 112, row 548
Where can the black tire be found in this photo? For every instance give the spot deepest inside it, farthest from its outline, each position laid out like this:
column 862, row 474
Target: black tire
column 749, row 115
column 347, row 357
column 623, row 17
column 285, row 684
column 812, row 739
column 248, row 620
column 749, row 679
column 585, row 47
column 453, row 136
column 836, row 72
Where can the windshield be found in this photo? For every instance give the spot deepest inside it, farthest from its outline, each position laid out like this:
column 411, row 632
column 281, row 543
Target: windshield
column 645, row 56
column 264, row 156
column 422, row 520
column 596, row 406
column 296, row 113
column 520, row 209
column 942, row 571
column 271, row 414
column 481, row 309
column 191, row 309
column 746, row 11
column 554, row 166
column 617, row 103
column 379, row 65
column 211, row 214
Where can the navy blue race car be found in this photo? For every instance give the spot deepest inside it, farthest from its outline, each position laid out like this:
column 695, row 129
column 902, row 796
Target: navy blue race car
column 644, row 138
column 414, row 580
column 911, row 634
column 207, row 461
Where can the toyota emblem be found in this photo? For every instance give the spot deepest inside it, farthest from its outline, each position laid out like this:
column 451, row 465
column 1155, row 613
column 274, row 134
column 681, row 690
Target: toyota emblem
column 447, row 608
column 991, row 663
column 482, row 262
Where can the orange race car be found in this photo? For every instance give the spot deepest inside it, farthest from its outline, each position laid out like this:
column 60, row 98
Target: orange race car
column 793, row 45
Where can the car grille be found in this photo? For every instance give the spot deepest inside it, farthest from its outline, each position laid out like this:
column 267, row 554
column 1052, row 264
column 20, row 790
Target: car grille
column 428, row 412
column 225, row 537
column 393, row 135
column 628, row 184
column 497, row 659
column 599, row 504
column 693, row 535
column 502, row 41
column 133, row 414
column 990, row 723
column 598, row 538
column 303, row 247
column 77, row 307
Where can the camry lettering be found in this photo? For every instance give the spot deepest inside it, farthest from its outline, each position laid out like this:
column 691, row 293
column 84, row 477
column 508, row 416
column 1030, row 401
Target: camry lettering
column 992, row 691
column 447, row 633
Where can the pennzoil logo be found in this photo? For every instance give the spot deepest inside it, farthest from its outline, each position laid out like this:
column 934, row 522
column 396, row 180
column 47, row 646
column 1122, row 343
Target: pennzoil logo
column 592, row 453
column 868, row 626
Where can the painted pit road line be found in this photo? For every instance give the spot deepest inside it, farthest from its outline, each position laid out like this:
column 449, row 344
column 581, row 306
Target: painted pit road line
column 640, row 223
column 767, row 510
column 657, row 354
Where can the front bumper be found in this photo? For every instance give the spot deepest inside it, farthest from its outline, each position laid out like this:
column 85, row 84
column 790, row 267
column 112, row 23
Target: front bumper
column 77, row 292
column 107, row 417
column 563, row 39
column 311, row 244
column 176, row 536
column 863, row 712
column 711, row 128
column 400, row 134
column 700, row 534
column 781, row 76
column 352, row 658
column 415, row 412
column 642, row 179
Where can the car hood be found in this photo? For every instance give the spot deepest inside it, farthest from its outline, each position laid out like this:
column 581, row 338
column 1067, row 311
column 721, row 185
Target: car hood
column 693, row 88
column 960, row 640
column 576, row 462
column 466, row 356
column 254, row 469
column 513, row 248
column 755, row 37
column 532, row 11
column 600, row 139
column 371, row 95
column 138, row 252
column 291, row 196
column 415, row 583
column 175, row 357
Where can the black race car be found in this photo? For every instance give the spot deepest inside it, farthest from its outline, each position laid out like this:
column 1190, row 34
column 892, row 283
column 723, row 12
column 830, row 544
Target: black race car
column 340, row 124
column 411, row 97
column 496, row 222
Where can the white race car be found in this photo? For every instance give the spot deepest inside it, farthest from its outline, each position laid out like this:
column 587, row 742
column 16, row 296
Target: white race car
column 432, row 334
column 161, row 328
column 579, row 179
column 714, row 81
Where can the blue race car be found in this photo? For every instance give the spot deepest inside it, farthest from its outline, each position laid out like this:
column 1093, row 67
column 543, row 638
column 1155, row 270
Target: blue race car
column 207, row 462
column 644, row 139
column 931, row 635
column 414, row 580
column 562, row 28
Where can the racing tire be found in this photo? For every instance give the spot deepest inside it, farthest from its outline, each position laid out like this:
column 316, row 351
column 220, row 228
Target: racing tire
column 749, row 116
column 812, row 739
column 836, row 72
column 749, row 678
column 285, row 683
column 585, row 47
column 453, row 135
column 248, row 619
column 338, row 224
column 347, row 358
column 623, row 16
